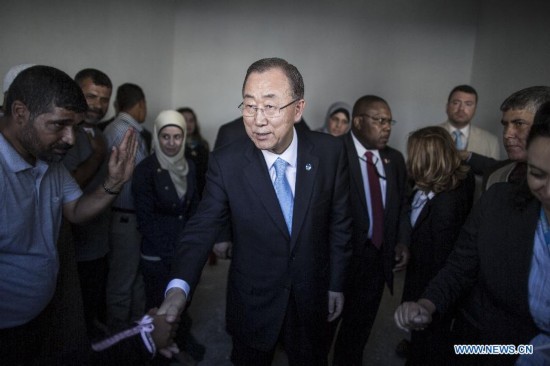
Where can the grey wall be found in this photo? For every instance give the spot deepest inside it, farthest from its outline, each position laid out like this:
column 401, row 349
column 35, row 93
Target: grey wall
column 409, row 54
column 512, row 52
column 195, row 53
column 130, row 40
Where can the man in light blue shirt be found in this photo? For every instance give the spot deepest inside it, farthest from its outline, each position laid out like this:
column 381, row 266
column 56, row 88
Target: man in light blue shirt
column 43, row 105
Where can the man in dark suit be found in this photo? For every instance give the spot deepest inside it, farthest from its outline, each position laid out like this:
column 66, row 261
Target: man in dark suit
column 291, row 226
column 378, row 187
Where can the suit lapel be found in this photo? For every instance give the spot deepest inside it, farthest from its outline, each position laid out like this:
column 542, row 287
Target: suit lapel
column 355, row 171
column 391, row 184
column 423, row 214
column 306, row 170
column 257, row 175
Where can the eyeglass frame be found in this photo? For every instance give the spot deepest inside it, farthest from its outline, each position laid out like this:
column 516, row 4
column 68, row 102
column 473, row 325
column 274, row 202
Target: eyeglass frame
column 256, row 109
column 380, row 121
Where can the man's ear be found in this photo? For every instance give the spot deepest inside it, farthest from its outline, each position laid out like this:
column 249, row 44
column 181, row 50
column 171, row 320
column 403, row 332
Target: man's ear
column 19, row 112
column 356, row 122
column 299, row 110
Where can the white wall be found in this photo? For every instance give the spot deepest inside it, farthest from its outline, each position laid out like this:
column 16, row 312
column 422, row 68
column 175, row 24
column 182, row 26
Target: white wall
column 410, row 54
column 130, row 40
column 195, row 53
column 512, row 52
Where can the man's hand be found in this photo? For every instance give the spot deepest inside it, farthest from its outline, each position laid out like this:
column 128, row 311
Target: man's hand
column 335, row 304
column 222, row 249
column 173, row 305
column 164, row 332
column 402, row 256
column 122, row 161
column 414, row 315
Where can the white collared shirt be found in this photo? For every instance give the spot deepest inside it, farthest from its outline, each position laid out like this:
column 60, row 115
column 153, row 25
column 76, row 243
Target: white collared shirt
column 361, row 150
column 290, row 155
column 465, row 131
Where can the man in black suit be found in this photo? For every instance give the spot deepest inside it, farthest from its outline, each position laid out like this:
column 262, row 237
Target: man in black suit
column 378, row 187
column 291, row 227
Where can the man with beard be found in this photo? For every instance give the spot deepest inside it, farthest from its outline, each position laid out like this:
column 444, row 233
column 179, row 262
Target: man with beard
column 43, row 105
column 87, row 163
column 380, row 235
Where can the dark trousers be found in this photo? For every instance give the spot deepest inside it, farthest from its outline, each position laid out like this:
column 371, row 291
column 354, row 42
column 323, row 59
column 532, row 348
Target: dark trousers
column 366, row 286
column 302, row 347
column 21, row 345
column 93, row 279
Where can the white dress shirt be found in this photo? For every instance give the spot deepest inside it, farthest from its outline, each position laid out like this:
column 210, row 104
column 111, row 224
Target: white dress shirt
column 361, row 150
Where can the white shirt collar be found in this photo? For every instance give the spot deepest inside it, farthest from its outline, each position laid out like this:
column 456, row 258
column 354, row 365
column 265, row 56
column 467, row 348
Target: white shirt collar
column 290, row 155
column 465, row 130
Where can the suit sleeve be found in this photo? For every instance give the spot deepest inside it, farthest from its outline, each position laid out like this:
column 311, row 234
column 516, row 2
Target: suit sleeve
column 461, row 270
column 480, row 164
column 197, row 239
column 340, row 232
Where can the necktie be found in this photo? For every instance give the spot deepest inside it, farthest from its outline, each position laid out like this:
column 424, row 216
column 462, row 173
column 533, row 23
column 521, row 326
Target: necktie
column 283, row 191
column 376, row 201
column 458, row 140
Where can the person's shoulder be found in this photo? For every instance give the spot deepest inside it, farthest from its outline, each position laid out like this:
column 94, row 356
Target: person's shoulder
column 320, row 138
column 388, row 150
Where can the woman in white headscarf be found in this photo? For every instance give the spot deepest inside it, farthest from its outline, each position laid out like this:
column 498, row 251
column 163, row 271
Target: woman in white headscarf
column 165, row 196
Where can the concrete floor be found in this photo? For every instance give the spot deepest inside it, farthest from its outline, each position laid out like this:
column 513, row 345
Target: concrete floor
column 208, row 314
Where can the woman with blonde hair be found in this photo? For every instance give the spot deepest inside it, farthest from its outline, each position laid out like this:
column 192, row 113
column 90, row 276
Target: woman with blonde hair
column 443, row 194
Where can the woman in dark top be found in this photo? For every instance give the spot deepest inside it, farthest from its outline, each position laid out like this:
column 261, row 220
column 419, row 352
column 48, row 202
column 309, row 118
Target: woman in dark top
column 441, row 202
column 165, row 197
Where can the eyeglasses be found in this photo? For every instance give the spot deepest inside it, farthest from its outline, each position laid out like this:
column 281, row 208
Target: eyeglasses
column 380, row 121
column 269, row 110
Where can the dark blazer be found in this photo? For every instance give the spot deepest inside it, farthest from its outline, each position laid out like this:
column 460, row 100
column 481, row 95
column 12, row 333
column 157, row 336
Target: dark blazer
column 269, row 267
column 160, row 214
column 395, row 228
column 434, row 234
column 234, row 130
column 491, row 261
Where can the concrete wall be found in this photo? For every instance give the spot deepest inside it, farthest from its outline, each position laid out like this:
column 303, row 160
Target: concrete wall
column 195, row 53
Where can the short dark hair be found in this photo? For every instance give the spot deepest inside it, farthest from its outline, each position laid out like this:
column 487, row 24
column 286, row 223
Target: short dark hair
column 364, row 102
column 541, row 123
column 128, row 95
column 294, row 77
column 530, row 98
column 41, row 88
column 463, row 88
column 98, row 77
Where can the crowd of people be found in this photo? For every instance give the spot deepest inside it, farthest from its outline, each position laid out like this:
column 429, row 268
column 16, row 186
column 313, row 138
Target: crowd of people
column 316, row 223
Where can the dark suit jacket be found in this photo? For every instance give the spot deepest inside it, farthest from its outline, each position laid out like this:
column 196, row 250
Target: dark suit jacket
column 268, row 265
column 395, row 229
column 434, row 234
column 160, row 214
column 234, row 130
column 491, row 261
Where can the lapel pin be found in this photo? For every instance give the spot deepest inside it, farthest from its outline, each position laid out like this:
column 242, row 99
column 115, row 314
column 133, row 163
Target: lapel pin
column 386, row 161
column 308, row 167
